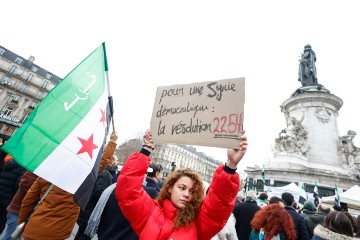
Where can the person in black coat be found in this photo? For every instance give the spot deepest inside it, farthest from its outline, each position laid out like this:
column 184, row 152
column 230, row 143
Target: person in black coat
column 9, row 183
column 301, row 230
column 154, row 177
column 103, row 180
column 315, row 219
column 244, row 213
column 2, row 158
column 113, row 224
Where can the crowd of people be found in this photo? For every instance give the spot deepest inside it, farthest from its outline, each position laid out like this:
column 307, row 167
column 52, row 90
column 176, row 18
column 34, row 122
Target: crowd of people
column 137, row 203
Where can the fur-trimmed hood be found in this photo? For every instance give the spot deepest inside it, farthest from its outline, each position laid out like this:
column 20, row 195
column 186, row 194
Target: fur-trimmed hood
column 325, row 233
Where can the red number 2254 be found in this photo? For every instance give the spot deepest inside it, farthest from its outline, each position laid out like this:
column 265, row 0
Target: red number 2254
column 229, row 124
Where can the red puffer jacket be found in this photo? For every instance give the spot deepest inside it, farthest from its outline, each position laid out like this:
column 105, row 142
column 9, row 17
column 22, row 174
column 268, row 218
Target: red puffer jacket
column 152, row 221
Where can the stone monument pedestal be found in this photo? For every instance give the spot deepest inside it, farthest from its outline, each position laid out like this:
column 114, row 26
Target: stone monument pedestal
column 309, row 150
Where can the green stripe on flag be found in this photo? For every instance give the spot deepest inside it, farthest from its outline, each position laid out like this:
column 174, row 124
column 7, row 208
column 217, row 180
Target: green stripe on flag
column 59, row 112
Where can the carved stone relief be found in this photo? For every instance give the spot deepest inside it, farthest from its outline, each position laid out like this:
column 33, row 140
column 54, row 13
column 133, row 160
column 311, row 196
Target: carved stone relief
column 348, row 151
column 293, row 138
column 323, row 114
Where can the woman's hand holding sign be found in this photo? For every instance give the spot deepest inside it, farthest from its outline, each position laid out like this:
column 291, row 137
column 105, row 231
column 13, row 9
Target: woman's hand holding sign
column 235, row 155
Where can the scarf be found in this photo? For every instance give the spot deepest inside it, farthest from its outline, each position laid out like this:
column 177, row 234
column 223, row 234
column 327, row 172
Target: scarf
column 95, row 217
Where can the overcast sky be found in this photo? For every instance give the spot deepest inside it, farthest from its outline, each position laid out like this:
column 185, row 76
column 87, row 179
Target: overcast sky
column 160, row 43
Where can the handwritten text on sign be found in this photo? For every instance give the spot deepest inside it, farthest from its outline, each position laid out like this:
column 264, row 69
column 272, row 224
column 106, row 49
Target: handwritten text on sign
column 205, row 114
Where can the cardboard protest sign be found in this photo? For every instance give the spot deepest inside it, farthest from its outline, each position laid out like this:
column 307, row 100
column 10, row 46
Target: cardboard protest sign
column 205, row 114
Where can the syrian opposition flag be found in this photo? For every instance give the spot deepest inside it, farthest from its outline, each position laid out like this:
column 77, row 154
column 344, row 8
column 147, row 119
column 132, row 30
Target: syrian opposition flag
column 63, row 139
column 302, row 197
column 316, row 194
column 263, row 173
column 337, row 196
column 316, row 191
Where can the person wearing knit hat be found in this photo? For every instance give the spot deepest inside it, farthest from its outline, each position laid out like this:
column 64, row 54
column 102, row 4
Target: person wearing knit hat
column 8, row 158
column 313, row 220
column 309, row 208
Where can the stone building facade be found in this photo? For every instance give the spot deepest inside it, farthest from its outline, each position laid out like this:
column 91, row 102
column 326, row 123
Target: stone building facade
column 172, row 157
column 23, row 84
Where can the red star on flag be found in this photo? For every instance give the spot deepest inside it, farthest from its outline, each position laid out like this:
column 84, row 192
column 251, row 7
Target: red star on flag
column 87, row 146
column 103, row 119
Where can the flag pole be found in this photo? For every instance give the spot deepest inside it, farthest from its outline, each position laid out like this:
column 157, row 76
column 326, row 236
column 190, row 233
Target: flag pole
column 109, row 94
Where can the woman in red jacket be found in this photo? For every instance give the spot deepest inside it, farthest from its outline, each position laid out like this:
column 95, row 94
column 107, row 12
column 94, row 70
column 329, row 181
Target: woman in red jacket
column 181, row 212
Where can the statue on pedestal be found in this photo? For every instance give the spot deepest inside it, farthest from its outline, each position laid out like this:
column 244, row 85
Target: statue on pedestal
column 347, row 148
column 293, row 138
column 307, row 68
column 307, row 73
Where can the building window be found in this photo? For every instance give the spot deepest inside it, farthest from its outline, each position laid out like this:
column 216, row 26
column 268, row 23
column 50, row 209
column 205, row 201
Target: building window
column 15, row 84
column 39, row 95
column 44, row 84
column 8, row 111
column 15, row 97
column 24, row 118
column 34, row 69
column 18, row 60
column 6, row 80
column 30, row 77
column 48, row 76
column 12, row 69
column 2, row 51
column 23, row 88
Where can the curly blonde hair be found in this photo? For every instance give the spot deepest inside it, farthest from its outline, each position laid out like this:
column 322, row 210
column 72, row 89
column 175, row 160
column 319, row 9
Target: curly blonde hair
column 188, row 214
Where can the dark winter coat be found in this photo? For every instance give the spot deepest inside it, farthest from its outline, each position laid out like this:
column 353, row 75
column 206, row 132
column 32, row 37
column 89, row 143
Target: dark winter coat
column 2, row 158
column 305, row 213
column 9, row 182
column 244, row 212
column 103, row 180
column 151, row 183
column 322, row 233
column 299, row 222
column 121, row 228
column 313, row 220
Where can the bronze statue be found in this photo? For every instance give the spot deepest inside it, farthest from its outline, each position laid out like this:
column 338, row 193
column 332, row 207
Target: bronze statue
column 307, row 68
